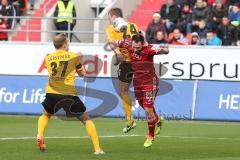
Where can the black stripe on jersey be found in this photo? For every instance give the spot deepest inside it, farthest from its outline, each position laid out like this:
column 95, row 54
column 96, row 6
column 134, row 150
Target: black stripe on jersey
column 79, row 67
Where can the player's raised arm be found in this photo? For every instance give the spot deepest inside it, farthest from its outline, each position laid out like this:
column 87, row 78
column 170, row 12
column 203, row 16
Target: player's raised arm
column 162, row 50
column 114, row 45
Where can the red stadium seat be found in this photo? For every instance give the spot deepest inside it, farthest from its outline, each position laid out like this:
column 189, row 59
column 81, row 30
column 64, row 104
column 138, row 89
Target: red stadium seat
column 34, row 24
column 143, row 13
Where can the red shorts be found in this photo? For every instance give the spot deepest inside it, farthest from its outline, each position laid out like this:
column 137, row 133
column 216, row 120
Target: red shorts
column 146, row 94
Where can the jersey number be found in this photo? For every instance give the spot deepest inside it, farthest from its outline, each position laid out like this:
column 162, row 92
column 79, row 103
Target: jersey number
column 54, row 66
column 133, row 31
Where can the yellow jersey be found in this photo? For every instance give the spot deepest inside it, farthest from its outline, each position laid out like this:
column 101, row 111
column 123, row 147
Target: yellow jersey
column 112, row 35
column 62, row 67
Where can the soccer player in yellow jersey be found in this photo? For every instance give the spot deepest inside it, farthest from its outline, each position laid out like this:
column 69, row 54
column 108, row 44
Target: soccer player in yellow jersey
column 125, row 72
column 62, row 66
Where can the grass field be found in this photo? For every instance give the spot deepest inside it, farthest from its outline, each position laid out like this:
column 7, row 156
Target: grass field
column 180, row 140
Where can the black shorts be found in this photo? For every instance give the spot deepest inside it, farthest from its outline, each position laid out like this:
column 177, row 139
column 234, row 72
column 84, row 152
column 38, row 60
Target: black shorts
column 72, row 105
column 125, row 72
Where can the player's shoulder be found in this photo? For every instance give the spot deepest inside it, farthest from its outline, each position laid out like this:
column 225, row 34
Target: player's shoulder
column 72, row 53
column 148, row 47
column 49, row 55
column 109, row 28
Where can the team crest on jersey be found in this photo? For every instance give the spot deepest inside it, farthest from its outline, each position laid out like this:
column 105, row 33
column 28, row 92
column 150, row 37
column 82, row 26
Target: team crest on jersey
column 136, row 56
column 149, row 96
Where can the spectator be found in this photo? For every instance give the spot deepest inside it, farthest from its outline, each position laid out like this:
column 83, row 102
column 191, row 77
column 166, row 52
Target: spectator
column 238, row 39
column 226, row 32
column 19, row 6
column 181, row 3
column 170, row 13
column 160, row 38
column 3, row 26
column 201, row 29
column 178, row 38
column 194, row 39
column 234, row 16
column 65, row 8
column 32, row 3
column 201, row 11
column 232, row 2
column 238, row 43
column 185, row 18
column 218, row 12
column 7, row 9
column 153, row 27
column 211, row 40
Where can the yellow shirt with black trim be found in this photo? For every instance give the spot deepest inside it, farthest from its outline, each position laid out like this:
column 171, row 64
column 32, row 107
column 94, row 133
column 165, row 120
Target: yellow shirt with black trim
column 113, row 35
column 62, row 67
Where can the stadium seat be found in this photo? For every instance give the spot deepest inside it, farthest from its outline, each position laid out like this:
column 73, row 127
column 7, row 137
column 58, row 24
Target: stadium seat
column 143, row 13
column 34, row 24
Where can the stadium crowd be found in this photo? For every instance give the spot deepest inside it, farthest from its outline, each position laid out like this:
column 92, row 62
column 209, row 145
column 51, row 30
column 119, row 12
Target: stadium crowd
column 196, row 22
column 12, row 8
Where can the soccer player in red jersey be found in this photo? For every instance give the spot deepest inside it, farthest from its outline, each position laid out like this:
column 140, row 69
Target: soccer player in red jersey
column 145, row 80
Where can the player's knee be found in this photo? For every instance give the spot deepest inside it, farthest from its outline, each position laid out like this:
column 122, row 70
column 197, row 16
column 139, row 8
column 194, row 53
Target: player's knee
column 124, row 88
column 148, row 111
column 124, row 91
column 150, row 115
column 46, row 114
column 84, row 117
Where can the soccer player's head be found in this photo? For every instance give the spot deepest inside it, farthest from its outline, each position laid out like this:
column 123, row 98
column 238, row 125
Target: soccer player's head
column 137, row 42
column 114, row 13
column 60, row 41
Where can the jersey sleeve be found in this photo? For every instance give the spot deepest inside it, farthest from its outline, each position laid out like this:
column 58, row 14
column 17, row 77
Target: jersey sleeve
column 151, row 50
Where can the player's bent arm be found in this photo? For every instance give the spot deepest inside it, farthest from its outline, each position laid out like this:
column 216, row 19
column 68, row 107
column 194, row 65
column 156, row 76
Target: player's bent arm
column 81, row 71
column 162, row 50
column 79, row 67
column 118, row 55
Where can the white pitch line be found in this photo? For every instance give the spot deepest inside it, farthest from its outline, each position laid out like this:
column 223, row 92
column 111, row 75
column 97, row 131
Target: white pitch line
column 205, row 138
column 122, row 136
column 77, row 137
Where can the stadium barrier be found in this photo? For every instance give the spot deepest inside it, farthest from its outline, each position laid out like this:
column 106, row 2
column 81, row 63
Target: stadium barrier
column 196, row 83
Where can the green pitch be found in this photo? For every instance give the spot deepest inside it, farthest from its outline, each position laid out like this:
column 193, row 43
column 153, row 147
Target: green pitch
column 180, row 140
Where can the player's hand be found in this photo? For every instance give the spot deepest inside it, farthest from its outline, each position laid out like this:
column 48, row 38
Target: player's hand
column 113, row 45
column 163, row 49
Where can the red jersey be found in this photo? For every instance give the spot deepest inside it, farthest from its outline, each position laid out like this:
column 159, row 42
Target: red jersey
column 145, row 80
column 143, row 66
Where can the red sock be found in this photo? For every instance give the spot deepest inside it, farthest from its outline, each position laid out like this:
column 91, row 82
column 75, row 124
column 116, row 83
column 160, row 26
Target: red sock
column 152, row 120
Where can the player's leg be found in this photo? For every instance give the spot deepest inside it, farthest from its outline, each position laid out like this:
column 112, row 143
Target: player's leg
column 92, row 132
column 152, row 119
column 78, row 108
column 127, row 105
column 125, row 78
column 49, row 107
column 151, row 115
column 42, row 124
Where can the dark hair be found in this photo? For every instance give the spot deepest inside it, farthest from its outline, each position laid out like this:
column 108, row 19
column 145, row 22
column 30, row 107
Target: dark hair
column 225, row 16
column 138, row 38
column 116, row 12
column 59, row 40
column 235, row 4
column 176, row 28
column 210, row 31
